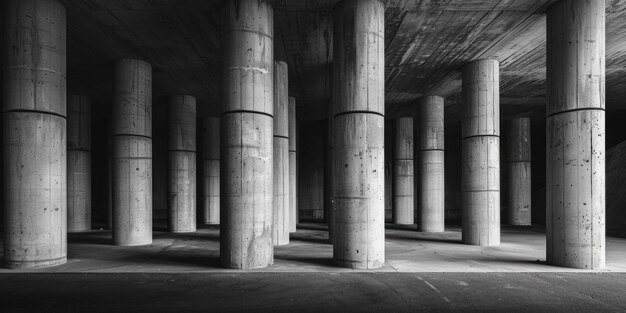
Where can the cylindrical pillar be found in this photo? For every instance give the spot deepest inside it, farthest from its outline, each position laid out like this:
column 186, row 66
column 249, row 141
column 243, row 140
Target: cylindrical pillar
column 247, row 135
column 34, row 145
column 293, row 168
column 328, row 179
column 403, row 189
column 132, row 153
column 480, row 183
column 358, row 109
column 429, row 158
column 575, row 131
column 78, row 164
column 211, row 170
column 282, row 221
column 182, row 164
column 519, row 171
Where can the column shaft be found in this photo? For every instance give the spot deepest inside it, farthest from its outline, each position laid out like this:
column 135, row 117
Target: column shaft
column 575, row 130
column 358, row 108
column 282, row 222
column 293, row 166
column 34, row 144
column 182, row 164
column 430, row 164
column 480, row 182
column 328, row 179
column 132, row 153
column 519, row 172
column 211, row 170
column 78, row 164
column 246, row 135
column 403, row 189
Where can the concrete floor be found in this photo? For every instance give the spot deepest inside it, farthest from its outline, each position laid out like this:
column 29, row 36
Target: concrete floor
column 522, row 250
column 314, row 292
column 424, row 273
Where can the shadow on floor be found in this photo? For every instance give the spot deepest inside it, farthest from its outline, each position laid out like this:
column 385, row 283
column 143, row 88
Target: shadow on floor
column 175, row 258
column 187, row 236
column 417, row 239
column 309, row 260
column 304, row 238
column 91, row 237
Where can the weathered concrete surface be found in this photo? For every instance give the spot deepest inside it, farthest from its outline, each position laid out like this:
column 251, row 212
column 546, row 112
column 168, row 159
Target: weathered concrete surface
column 78, row 164
column 575, row 179
column 358, row 108
column 282, row 221
column 403, row 172
column 266, row 292
column 246, row 179
column 132, row 153
column 293, row 165
column 34, row 136
column 430, row 160
column 480, row 182
column 182, row 164
column 211, row 170
column 519, row 145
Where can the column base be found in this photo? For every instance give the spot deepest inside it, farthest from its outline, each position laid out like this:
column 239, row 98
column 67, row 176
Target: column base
column 23, row 265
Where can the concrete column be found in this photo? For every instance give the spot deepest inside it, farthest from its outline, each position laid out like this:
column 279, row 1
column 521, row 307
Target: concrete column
column 328, row 179
column 132, row 153
column 282, row 221
column 78, row 164
column 403, row 189
column 211, row 170
column 34, row 144
column 480, row 183
column 293, row 168
column 358, row 108
column 575, row 178
column 247, row 129
column 182, row 164
column 519, row 171
column 429, row 158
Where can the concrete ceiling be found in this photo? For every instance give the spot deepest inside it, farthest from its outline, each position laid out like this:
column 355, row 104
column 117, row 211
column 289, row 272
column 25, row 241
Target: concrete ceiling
column 427, row 42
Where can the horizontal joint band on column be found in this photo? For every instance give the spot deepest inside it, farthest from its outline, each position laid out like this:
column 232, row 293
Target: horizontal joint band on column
column 210, row 159
column 247, row 111
column 131, row 135
column 359, row 112
column 35, row 112
column 426, row 150
column 133, row 158
column 484, row 190
column 182, row 150
column 575, row 110
column 294, row 151
column 353, row 197
column 518, row 161
column 283, row 137
column 78, row 149
column 403, row 159
column 474, row 136
column 232, row 30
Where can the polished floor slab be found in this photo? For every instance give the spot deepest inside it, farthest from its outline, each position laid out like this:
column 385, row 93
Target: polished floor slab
column 407, row 250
